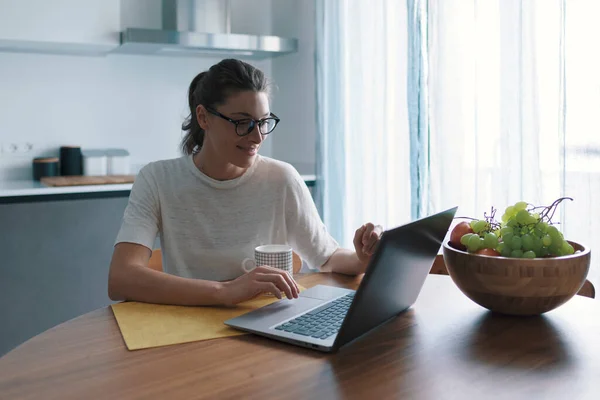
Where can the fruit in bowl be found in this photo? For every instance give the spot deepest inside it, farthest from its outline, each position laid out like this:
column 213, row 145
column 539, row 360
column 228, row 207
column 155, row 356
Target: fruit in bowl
column 519, row 266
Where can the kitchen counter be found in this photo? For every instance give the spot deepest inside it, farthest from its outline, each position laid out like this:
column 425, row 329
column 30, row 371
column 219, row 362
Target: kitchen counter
column 29, row 190
column 34, row 188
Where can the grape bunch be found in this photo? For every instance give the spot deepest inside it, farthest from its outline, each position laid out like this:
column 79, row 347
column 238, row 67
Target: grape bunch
column 526, row 231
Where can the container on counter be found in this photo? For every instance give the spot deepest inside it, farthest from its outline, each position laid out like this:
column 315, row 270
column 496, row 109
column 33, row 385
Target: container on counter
column 118, row 162
column 45, row 166
column 95, row 163
column 70, row 161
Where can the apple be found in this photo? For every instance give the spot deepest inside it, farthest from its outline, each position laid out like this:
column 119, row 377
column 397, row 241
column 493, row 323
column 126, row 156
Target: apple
column 458, row 232
column 488, row 252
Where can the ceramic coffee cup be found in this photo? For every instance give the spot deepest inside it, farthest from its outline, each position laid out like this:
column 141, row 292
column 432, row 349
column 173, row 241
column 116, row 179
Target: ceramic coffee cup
column 273, row 255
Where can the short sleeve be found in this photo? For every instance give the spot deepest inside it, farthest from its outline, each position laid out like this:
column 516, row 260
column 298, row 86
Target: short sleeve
column 307, row 233
column 142, row 215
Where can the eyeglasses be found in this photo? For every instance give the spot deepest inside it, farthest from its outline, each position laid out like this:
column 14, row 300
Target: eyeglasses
column 245, row 126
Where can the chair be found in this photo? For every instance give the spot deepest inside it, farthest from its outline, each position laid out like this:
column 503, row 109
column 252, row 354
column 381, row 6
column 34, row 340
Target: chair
column 156, row 261
column 439, row 268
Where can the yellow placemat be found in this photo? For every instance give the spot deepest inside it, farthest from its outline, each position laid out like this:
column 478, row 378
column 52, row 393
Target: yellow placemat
column 146, row 325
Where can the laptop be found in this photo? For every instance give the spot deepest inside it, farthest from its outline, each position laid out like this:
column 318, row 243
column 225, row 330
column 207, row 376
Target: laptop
column 326, row 318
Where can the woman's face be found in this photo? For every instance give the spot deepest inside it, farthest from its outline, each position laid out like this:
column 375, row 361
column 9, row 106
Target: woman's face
column 221, row 138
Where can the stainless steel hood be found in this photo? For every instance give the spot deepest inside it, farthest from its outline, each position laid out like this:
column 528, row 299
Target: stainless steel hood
column 155, row 41
column 181, row 35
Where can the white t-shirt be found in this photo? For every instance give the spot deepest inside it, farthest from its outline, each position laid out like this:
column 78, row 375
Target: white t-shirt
column 208, row 227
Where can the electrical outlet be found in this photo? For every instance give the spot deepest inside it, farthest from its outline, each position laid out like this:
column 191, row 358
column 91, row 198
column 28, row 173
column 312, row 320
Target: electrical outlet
column 24, row 147
column 9, row 148
column 16, row 149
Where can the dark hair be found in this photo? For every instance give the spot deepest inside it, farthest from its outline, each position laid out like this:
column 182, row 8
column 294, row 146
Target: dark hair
column 211, row 88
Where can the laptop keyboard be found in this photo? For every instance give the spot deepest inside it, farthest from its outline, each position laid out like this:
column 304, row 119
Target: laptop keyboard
column 322, row 322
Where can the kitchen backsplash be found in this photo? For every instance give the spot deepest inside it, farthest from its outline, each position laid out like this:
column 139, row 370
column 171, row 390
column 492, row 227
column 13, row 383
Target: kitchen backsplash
column 132, row 102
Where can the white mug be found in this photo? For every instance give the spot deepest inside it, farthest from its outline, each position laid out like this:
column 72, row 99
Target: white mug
column 274, row 255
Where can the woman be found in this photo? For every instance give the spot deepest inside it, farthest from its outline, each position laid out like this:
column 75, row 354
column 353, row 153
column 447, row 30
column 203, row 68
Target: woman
column 213, row 206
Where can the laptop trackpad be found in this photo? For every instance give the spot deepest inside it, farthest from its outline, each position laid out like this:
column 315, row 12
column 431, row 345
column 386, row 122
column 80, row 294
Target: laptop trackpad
column 322, row 292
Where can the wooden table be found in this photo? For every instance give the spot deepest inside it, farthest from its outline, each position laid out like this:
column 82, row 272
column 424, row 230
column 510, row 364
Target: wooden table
column 445, row 347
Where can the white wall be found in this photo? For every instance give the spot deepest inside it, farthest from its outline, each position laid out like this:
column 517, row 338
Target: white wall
column 135, row 102
column 294, row 101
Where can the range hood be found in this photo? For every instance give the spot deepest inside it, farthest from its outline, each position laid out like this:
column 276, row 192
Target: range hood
column 183, row 33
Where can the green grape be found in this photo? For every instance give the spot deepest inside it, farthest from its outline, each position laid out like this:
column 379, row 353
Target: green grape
column 527, row 242
column 521, row 205
column 547, row 240
column 536, row 216
column 490, row 241
column 465, row 238
column 506, row 251
column 516, row 253
column 567, row 249
column 507, row 238
column 530, row 220
column 539, row 253
column 500, row 247
column 505, row 230
column 523, row 231
column 542, row 226
column 479, row 226
column 537, row 244
column 529, row 254
column 510, row 211
column 512, row 223
column 516, row 243
column 553, row 232
column 522, row 217
column 554, row 248
column 474, row 243
column 536, row 232
column 472, row 223
column 505, row 218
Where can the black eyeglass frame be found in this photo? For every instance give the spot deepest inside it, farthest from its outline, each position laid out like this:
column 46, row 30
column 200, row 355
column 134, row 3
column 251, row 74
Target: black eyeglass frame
column 253, row 122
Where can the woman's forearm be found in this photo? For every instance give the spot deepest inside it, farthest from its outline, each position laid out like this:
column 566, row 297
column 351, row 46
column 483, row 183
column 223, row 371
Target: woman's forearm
column 139, row 283
column 344, row 261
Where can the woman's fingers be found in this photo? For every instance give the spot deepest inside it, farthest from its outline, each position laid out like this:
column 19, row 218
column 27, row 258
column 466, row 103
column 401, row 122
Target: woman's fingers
column 269, row 287
column 277, row 278
column 358, row 235
column 367, row 233
column 371, row 243
column 288, row 278
column 373, row 240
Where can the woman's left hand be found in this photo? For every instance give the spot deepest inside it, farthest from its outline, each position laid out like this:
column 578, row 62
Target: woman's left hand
column 366, row 239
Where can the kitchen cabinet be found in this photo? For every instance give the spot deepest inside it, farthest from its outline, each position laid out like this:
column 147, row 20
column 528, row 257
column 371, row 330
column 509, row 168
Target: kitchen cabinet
column 55, row 258
column 60, row 26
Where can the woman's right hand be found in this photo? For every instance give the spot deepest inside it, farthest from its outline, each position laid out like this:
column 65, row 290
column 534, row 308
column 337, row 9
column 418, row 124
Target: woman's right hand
column 260, row 280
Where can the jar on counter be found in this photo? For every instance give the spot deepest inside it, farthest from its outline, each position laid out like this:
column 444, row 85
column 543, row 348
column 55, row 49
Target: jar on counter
column 95, row 163
column 45, row 166
column 118, row 162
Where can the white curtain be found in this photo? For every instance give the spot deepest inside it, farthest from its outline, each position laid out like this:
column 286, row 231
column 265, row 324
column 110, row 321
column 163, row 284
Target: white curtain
column 363, row 150
column 512, row 104
column 582, row 134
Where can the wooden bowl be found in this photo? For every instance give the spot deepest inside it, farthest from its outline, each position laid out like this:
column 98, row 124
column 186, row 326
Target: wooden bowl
column 518, row 286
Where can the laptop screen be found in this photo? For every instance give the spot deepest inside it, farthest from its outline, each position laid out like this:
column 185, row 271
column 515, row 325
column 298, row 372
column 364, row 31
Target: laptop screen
column 396, row 274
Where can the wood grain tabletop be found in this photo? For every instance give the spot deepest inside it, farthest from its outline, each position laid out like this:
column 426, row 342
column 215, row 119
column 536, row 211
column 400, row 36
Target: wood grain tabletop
column 444, row 347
